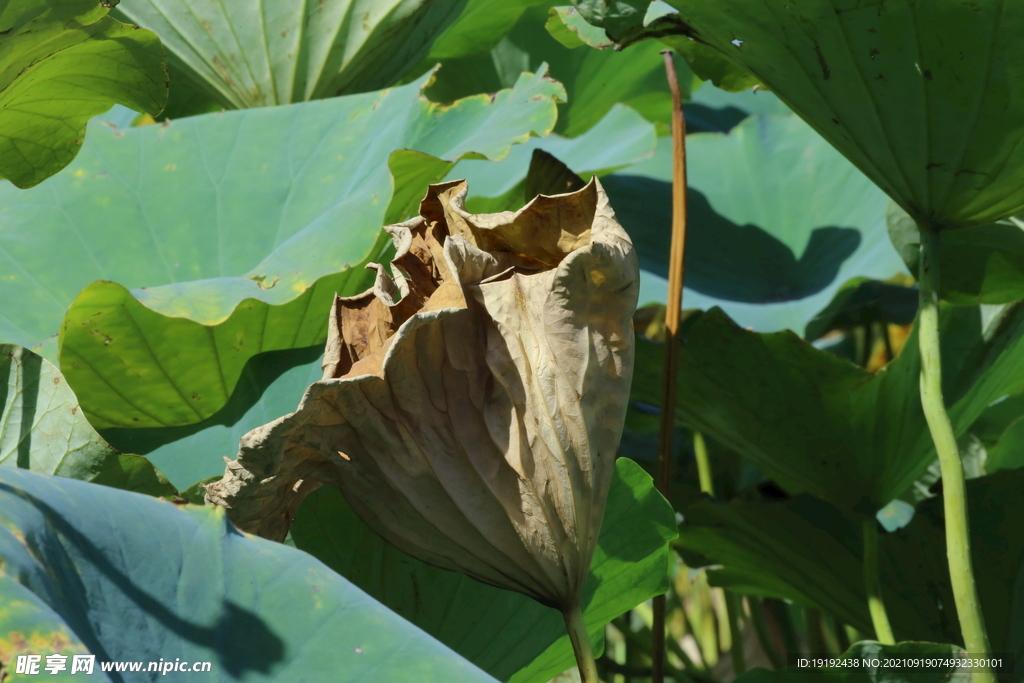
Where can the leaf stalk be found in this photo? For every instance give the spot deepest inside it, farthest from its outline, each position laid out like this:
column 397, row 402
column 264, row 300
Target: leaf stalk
column 673, row 314
column 734, row 608
column 700, row 452
column 873, row 584
column 954, row 490
column 763, row 636
column 581, row 647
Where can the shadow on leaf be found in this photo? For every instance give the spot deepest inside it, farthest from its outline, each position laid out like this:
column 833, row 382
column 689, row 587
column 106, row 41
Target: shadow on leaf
column 743, row 263
column 259, row 373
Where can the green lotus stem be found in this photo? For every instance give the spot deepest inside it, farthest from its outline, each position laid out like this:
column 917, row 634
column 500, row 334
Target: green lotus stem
column 873, row 584
column 954, row 491
column 883, row 332
column 761, row 627
column 868, row 346
column 843, row 633
column 732, row 602
column 859, row 345
column 784, row 619
column 580, row 640
column 734, row 607
column 828, row 634
column 700, row 450
column 815, row 641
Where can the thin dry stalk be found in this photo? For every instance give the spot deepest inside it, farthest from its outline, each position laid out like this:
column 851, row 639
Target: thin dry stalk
column 673, row 313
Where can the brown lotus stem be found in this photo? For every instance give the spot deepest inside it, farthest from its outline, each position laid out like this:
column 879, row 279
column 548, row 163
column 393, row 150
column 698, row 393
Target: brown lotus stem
column 673, row 313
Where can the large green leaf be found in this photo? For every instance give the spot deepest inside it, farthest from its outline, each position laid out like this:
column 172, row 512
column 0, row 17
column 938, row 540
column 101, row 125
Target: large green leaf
column 995, row 507
column 28, row 626
column 595, row 80
column 993, row 422
column 924, row 97
column 713, row 110
column 42, row 428
column 806, row 550
column 777, row 218
column 619, row 18
column 863, row 301
column 1008, row 453
column 619, row 140
column 625, row 22
column 139, row 579
column 481, row 26
column 815, row 422
column 856, row 668
column 567, row 26
column 250, row 53
column 62, row 62
column 505, row 633
column 272, row 383
column 979, row 265
column 232, row 247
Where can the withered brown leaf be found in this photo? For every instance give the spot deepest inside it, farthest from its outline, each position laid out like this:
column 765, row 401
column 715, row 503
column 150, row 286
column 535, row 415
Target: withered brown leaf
column 473, row 400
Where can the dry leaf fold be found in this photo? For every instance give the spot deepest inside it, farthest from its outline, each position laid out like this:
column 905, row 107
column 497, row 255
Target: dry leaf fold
column 473, row 400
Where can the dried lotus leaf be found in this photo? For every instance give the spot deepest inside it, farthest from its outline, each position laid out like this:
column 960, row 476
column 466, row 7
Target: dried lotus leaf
column 472, row 401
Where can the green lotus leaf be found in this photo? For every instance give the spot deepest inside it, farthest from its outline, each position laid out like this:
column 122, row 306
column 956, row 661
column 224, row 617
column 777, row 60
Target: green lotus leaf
column 923, row 97
column 714, row 110
column 221, row 248
column 595, row 80
column 994, row 507
column 974, row 458
column 43, row 428
column 481, row 26
column 621, row 139
column 625, row 22
column 979, row 265
column 250, row 53
column 863, row 301
column 801, row 549
column 567, row 26
column 620, row 18
column 132, row 472
column 169, row 583
column 777, row 221
column 806, row 550
column 61, row 63
column 995, row 420
column 28, row 626
column 709, row 65
column 1008, row 453
column 637, row 523
column 272, row 383
column 506, row 634
column 815, row 422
